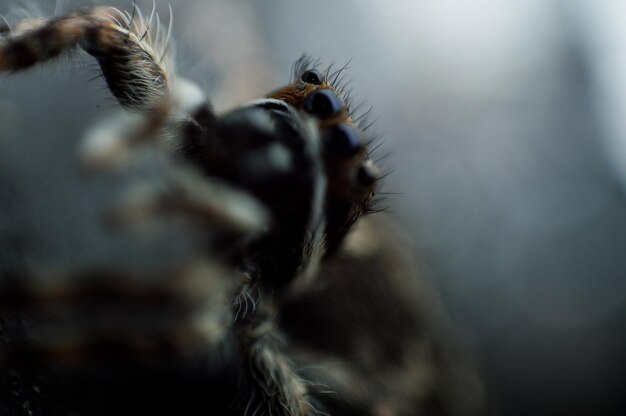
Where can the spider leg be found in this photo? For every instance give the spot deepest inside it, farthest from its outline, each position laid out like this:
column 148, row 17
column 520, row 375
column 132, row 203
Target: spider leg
column 106, row 316
column 116, row 140
column 131, row 63
column 188, row 196
column 188, row 193
column 137, row 68
column 270, row 383
column 178, row 120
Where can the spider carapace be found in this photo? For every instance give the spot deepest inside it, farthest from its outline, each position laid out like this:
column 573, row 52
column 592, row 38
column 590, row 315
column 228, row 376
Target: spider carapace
column 286, row 309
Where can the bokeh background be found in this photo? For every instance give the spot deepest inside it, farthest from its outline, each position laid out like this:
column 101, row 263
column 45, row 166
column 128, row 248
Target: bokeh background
column 505, row 129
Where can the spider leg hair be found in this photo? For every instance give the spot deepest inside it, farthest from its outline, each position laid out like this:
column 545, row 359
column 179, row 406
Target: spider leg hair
column 268, row 376
column 131, row 63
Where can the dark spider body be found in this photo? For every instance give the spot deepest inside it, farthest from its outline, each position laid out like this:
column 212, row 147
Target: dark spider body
column 292, row 306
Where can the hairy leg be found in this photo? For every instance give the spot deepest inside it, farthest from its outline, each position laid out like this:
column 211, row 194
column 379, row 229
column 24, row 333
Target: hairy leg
column 269, row 382
column 133, row 62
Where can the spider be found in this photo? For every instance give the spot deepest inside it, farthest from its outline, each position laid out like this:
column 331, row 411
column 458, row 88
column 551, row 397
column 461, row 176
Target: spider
column 292, row 305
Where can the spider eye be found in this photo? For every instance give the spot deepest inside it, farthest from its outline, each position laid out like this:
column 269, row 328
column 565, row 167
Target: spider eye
column 312, row 77
column 367, row 174
column 323, row 104
column 343, row 141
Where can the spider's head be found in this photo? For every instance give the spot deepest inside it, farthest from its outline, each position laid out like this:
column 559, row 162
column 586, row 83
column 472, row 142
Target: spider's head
column 300, row 153
column 351, row 174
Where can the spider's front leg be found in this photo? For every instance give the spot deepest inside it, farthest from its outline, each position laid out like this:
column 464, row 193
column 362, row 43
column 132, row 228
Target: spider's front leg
column 135, row 70
column 132, row 51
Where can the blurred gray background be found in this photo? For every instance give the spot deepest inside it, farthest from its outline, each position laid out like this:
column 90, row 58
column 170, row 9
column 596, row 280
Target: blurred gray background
column 504, row 126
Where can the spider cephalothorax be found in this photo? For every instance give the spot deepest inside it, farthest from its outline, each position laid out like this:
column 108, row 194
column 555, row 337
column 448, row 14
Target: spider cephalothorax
column 273, row 188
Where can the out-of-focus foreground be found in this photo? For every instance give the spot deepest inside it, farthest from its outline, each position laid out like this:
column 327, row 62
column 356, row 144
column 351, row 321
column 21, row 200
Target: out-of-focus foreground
column 504, row 127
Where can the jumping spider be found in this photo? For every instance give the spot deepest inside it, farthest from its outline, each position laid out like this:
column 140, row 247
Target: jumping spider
column 288, row 307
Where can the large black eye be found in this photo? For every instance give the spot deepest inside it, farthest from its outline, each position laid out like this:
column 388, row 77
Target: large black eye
column 323, row 104
column 312, row 77
column 343, row 141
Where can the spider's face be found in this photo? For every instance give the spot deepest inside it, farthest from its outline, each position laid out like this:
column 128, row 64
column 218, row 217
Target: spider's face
column 351, row 175
column 301, row 155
